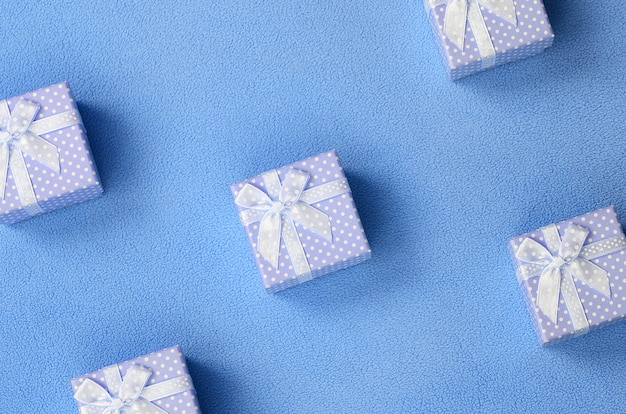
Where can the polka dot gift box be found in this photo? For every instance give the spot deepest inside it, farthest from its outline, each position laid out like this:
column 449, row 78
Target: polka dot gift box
column 475, row 35
column 573, row 274
column 301, row 221
column 45, row 160
column 157, row 383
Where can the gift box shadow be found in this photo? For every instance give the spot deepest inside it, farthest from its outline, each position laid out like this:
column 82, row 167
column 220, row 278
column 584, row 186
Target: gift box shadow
column 99, row 125
column 597, row 350
column 559, row 64
column 380, row 209
column 557, row 15
column 215, row 391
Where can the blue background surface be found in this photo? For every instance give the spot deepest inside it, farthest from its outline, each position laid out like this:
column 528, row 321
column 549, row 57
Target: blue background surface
column 181, row 99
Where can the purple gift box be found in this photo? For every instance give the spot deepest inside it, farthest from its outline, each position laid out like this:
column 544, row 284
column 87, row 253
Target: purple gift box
column 45, row 160
column 301, row 221
column 573, row 274
column 157, row 383
column 474, row 35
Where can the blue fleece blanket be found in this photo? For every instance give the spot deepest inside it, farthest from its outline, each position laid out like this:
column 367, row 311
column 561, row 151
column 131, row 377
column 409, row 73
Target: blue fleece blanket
column 181, row 99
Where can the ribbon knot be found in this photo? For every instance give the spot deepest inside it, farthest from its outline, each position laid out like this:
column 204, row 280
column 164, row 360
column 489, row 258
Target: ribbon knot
column 281, row 207
column 278, row 207
column 118, row 403
column 560, row 263
column 20, row 136
column 5, row 137
column 460, row 12
column 130, row 395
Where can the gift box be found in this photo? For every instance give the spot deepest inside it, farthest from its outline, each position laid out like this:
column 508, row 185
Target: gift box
column 573, row 274
column 301, row 221
column 45, row 160
column 157, row 383
column 474, row 35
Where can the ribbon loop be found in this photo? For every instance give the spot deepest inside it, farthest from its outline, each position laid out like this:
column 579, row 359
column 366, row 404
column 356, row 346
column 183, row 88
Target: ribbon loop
column 21, row 117
column 283, row 205
column 292, row 187
column 253, row 198
column 558, row 266
column 134, row 383
column 455, row 21
column 92, row 394
column 573, row 241
column 532, row 252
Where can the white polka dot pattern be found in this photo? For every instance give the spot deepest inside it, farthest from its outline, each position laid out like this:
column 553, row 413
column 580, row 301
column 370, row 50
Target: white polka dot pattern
column 601, row 306
column 345, row 246
column 530, row 36
column 78, row 179
column 165, row 365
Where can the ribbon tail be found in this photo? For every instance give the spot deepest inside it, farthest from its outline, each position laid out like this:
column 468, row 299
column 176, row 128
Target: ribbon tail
column 312, row 219
column 592, row 275
column 23, row 184
column 5, row 114
column 574, row 305
column 40, row 150
column 4, row 168
column 548, row 290
column 455, row 22
column 296, row 250
column 502, row 8
column 268, row 243
column 481, row 34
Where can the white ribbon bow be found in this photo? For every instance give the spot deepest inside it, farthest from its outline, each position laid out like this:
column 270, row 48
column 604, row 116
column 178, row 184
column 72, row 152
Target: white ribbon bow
column 19, row 136
column 281, row 207
column 562, row 261
column 460, row 12
column 130, row 395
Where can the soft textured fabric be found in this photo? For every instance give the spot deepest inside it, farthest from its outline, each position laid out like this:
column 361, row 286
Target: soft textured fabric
column 182, row 99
